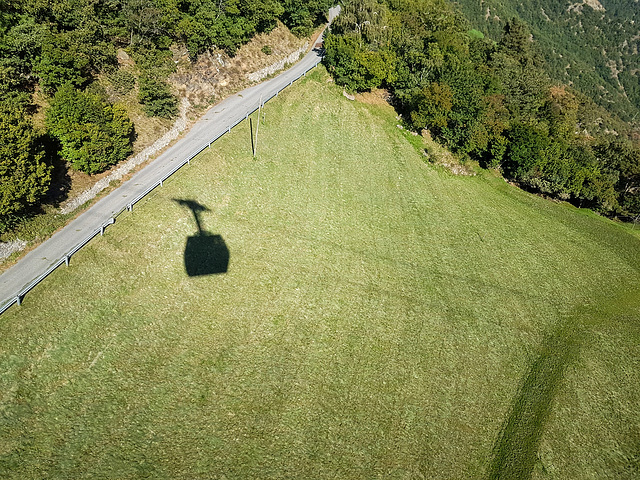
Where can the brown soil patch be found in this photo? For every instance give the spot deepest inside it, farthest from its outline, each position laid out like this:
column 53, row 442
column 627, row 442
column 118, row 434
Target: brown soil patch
column 379, row 96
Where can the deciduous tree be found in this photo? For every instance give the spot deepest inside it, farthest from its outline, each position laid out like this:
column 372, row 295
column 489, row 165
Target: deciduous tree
column 93, row 134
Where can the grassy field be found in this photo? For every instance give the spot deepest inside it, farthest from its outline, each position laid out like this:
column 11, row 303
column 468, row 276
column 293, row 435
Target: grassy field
column 379, row 318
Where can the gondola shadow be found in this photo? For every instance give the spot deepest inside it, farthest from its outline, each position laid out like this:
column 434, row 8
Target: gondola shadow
column 205, row 253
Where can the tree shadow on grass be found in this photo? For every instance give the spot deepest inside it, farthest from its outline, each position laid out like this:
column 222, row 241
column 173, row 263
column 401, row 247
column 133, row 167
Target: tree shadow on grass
column 204, row 253
column 516, row 450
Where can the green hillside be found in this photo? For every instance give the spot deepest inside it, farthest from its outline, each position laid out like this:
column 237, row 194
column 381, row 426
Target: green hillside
column 379, row 318
column 489, row 101
column 592, row 45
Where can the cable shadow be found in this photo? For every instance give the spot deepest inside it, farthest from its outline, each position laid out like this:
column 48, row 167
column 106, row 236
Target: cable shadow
column 516, row 450
column 205, row 253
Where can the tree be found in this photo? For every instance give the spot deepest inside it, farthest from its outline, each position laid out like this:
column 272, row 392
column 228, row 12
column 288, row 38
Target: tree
column 59, row 63
column 25, row 176
column 340, row 58
column 431, row 107
column 623, row 158
column 375, row 68
column 561, row 112
column 527, row 146
column 148, row 21
column 495, row 118
column 19, row 50
column 93, row 134
column 301, row 15
column 517, row 42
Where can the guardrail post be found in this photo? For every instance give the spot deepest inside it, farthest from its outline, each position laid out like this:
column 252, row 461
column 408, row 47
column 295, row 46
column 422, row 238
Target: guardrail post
column 161, row 183
column 101, row 230
column 66, row 260
column 129, row 207
column 19, row 300
column 229, row 129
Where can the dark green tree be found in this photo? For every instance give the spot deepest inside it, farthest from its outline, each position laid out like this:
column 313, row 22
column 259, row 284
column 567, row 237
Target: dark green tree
column 432, row 106
column 526, row 152
column 59, row 63
column 517, row 42
column 302, row 16
column 25, row 176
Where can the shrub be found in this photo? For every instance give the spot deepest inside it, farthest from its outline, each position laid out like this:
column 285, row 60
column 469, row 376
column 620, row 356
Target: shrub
column 123, row 82
column 156, row 98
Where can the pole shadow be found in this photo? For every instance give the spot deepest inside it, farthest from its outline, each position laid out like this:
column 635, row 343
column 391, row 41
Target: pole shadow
column 205, row 253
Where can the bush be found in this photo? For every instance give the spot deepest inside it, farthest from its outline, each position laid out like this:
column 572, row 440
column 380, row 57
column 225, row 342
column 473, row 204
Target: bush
column 267, row 50
column 123, row 82
column 24, row 175
column 301, row 31
column 156, row 98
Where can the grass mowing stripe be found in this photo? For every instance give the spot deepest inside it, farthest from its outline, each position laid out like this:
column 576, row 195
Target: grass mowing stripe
column 379, row 318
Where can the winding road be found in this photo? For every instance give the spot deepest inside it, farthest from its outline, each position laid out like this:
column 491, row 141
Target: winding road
column 57, row 250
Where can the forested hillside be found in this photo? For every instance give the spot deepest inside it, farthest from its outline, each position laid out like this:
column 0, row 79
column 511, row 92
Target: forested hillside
column 58, row 48
column 495, row 102
column 592, row 45
column 547, row 94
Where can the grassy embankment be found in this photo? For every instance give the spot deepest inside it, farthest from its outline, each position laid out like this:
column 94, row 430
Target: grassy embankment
column 380, row 318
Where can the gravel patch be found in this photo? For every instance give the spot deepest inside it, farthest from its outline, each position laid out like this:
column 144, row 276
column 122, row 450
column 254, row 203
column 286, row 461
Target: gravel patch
column 7, row 248
column 273, row 68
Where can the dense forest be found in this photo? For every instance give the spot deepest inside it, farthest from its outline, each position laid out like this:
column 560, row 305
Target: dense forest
column 591, row 45
column 59, row 47
column 494, row 101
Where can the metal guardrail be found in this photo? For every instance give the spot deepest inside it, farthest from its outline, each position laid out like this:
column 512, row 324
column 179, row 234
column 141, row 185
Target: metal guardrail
column 18, row 298
column 100, row 230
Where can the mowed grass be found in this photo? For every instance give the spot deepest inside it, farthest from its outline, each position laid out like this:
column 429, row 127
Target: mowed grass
column 380, row 318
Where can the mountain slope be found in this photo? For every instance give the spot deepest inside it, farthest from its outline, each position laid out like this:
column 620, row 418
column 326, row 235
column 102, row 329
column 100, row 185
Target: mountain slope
column 592, row 45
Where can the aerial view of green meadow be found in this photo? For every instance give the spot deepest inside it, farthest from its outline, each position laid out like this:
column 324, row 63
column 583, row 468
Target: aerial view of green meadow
column 336, row 307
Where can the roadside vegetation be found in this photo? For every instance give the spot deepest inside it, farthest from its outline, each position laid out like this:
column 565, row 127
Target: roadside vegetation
column 53, row 54
column 490, row 100
column 380, row 317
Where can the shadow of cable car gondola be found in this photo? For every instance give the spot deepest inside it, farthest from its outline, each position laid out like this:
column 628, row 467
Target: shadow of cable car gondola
column 205, row 253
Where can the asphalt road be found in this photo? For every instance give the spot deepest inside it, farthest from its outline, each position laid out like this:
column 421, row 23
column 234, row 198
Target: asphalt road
column 213, row 124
